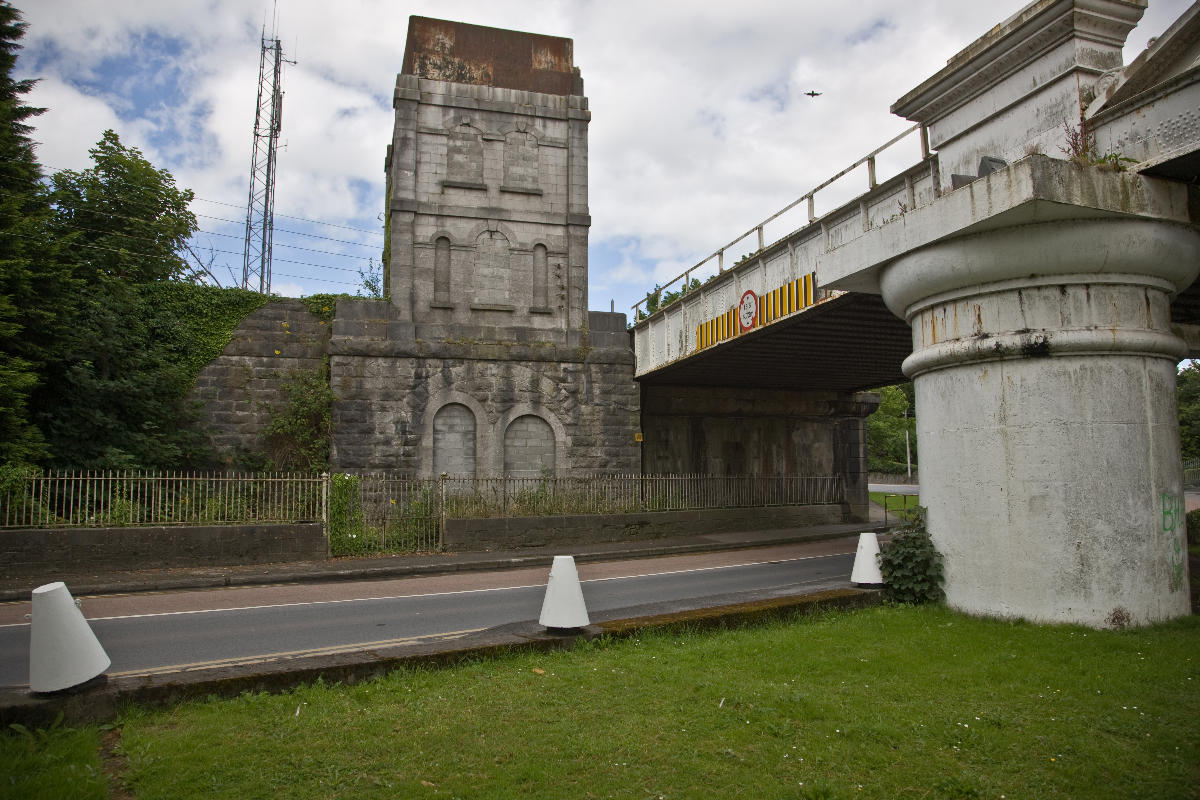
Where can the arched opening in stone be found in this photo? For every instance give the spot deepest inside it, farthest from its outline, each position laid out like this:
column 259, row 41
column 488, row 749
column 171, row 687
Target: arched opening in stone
column 441, row 270
column 464, row 156
column 541, row 277
column 529, row 448
column 521, row 160
column 493, row 271
column 454, row 441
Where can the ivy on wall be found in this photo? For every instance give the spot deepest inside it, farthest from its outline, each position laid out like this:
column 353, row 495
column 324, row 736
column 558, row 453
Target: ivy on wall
column 195, row 322
column 322, row 306
column 297, row 437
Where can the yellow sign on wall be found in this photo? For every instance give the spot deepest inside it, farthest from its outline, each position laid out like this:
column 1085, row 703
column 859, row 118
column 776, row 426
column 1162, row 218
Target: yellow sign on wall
column 787, row 299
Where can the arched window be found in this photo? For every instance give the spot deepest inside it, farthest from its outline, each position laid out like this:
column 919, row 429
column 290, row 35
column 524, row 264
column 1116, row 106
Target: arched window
column 528, row 448
column 441, row 270
column 454, row 440
column 493, row 272
column 464, row 156
column 541, row 277
column 520, row 160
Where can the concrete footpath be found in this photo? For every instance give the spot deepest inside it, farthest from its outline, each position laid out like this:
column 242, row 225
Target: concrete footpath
column 103, row 699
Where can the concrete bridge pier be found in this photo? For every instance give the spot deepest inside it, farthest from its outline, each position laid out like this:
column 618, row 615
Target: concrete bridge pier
column 1044, row 367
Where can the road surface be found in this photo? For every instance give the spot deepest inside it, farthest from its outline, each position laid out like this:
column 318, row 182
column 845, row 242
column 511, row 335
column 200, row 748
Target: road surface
column 894, row 488
column 175, row 631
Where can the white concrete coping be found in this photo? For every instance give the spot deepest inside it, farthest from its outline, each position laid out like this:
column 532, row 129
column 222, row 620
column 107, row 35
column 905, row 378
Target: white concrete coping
column 1036, row 189
column 1095, row 248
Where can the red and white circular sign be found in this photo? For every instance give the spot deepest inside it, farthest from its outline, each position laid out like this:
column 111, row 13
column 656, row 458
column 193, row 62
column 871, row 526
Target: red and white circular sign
column 748, row 310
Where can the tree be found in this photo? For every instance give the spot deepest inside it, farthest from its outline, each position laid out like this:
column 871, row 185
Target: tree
column 125, row 218
column 27, row 266
column 886, row 430
column 113, row 394
column 1187, row 391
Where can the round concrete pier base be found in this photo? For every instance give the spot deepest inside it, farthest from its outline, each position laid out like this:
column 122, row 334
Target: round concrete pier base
column 1044, row 368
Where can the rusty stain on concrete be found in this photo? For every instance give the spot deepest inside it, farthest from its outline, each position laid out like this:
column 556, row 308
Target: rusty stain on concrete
column 461, row 53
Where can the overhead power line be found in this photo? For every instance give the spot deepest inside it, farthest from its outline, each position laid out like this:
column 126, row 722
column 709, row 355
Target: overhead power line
column 135, row 189
column 299, row 219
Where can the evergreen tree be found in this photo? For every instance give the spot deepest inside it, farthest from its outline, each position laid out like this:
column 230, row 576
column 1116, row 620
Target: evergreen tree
column 27, row 269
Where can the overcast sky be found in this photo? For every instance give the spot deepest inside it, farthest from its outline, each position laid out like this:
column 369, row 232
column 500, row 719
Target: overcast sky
column 700, row 128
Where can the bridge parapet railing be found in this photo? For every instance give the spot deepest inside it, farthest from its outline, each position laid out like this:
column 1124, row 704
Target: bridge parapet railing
column 677, row 326
column 641, row 308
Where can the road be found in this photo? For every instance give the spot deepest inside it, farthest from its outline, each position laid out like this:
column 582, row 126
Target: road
column 894, row 488
column 176, row 631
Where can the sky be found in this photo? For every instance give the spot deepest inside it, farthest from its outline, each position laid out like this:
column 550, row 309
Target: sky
column 700, row 126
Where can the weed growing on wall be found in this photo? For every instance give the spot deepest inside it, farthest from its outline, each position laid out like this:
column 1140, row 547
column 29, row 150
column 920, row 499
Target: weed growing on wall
column 322, row 306
column 347, row 525
column 1081, row 149
column 911, row 565
column 298, row 435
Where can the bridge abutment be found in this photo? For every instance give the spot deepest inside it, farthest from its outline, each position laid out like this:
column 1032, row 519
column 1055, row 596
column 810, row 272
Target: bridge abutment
column 1044, row 368
column 714, row 430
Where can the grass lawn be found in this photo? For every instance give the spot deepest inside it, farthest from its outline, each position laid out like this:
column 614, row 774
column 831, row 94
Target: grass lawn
column 876, row 703
column 895, row 504
column 51, row 765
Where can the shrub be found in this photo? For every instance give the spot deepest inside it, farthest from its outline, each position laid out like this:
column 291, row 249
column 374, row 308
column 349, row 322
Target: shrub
column 298, row 435
column 911, row 565
column 347, row 526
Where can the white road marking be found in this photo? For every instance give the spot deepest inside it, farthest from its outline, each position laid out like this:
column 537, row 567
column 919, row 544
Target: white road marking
column 314, row 651
column 440, row 594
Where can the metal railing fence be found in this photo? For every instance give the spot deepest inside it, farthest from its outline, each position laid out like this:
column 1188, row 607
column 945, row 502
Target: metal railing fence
column 129, row 498
column 618, row 494
column 376, row 512
column 371, row 512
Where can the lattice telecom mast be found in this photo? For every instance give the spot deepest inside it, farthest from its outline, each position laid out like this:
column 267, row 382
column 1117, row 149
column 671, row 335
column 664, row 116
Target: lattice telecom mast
column 260, row 210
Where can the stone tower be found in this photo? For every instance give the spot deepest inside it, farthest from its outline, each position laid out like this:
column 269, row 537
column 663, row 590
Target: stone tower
column 486, row 360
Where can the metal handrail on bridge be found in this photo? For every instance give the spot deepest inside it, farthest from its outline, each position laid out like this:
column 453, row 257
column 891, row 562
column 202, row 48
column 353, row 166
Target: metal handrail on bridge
column 719, row 254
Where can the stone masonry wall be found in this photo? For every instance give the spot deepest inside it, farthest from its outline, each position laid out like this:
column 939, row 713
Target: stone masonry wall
column 49, row 551
column 724, row 431
column 506, row 533
column 407, row 404
column 239, row 388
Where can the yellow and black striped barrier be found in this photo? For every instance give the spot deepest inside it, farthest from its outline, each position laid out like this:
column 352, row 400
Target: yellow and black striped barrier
column 716, row 330
column 787, row 299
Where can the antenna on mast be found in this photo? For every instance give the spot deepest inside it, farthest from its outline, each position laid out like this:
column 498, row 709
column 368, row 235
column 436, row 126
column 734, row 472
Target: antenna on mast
column 260, row 208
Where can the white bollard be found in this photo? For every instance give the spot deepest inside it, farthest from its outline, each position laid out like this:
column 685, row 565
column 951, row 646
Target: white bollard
column 63, row 650
column 866, row 561
column 563, row 606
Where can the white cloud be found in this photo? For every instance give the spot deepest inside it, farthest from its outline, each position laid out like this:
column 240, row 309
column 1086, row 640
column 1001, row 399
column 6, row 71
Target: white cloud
column 73, row 123
column 699, row 130
column 288, row 289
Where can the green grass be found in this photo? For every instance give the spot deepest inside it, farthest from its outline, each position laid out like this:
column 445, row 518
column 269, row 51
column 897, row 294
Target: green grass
column 895, row 504
column 877, row 703
column 54, row 764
